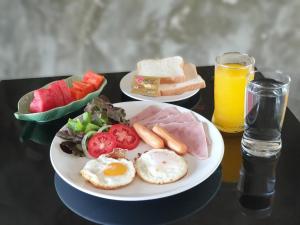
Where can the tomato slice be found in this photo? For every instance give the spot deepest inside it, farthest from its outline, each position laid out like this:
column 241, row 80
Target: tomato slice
column 101, row 143
column 126, row 136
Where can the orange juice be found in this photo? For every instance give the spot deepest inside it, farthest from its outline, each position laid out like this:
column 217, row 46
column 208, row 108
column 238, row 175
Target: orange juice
column 230, row 83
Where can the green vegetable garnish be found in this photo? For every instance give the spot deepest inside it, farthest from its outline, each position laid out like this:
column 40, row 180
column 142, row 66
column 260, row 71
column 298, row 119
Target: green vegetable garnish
column 86, row 118
column 91, row 127
column 84, row 143
column 101, row 106
column 99, row 116
column 100, row 119
column 75, row 125
column 88, row 122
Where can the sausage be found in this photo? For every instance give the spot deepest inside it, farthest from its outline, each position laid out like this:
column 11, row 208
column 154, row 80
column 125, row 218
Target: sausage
column 174, row 144
column 148, row 136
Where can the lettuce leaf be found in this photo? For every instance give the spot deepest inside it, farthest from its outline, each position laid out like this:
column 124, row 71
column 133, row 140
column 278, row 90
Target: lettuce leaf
column 102, row 108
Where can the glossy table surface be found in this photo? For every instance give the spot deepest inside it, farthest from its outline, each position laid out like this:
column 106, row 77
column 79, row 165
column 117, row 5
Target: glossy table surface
column 27, row 184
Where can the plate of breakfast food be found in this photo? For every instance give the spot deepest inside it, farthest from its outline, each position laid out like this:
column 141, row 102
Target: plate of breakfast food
column 163, row 80
column 134, row 151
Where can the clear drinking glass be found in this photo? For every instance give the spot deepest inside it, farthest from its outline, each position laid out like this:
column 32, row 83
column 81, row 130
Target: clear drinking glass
column 232, row 72
column 265, row 104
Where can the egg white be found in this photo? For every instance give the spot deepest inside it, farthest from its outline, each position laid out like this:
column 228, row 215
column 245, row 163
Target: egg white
column 161, row 166
column 93, row 171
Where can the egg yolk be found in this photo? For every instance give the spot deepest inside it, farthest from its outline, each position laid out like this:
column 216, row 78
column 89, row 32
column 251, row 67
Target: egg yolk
column 115, row 169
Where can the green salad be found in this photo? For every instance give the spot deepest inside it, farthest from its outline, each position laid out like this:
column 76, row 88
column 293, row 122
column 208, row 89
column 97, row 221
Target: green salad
column 98, row 115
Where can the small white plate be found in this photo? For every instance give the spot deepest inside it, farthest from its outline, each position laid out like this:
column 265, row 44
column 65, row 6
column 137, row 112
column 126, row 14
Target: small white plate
column 125, row 86
column 68, row 166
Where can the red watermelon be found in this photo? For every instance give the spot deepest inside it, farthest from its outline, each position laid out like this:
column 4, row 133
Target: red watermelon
column 77, row 93
column 93, row 78
column 85, row 87
column 65, row 90
column 42, row 101
column 59, row 94
column 56, row 93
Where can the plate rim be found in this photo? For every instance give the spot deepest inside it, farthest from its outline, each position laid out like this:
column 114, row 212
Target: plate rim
column 153, row 196
column 145, row 98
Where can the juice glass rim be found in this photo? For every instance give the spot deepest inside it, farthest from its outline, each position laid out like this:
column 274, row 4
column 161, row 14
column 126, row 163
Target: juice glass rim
column 250, row 62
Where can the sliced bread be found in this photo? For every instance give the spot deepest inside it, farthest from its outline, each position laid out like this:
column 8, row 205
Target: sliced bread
column 192, row 81
column 170, row 70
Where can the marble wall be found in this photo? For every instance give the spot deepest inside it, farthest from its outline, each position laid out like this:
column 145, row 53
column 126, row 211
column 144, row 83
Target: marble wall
column 54, row 37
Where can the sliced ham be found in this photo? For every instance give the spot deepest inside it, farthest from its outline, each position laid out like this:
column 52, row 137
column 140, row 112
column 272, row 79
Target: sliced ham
column 171, row 118
column 149, row 111
column 163, row 113
column 192, row 134
column 184, row 126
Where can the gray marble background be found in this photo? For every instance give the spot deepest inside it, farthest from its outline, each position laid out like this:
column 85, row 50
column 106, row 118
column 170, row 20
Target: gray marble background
column 55, row 37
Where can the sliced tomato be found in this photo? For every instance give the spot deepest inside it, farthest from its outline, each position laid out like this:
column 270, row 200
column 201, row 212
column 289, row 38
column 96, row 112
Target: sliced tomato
column 77, row 93
column 93, row 78
column 101, row 143
column 126, row 136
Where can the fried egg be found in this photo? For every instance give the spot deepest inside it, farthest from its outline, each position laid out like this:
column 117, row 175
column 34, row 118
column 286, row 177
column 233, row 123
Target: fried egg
column 108, row 173
column 161, row 166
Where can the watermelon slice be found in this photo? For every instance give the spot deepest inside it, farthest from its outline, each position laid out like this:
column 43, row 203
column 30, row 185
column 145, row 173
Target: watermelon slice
column 42, row 101
column 65, row 90
column 56, row 94
column 85, row 87
column 93, row 78
column 59, row 94
column 77, row 93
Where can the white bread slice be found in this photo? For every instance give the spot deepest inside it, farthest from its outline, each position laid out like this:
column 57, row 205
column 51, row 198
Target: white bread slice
column 193, row 81
column 170, row 70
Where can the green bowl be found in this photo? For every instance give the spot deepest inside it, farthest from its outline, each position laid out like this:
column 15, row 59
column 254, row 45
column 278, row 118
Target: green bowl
column 55, row 113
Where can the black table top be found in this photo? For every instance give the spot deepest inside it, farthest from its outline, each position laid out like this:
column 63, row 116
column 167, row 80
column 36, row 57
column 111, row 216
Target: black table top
column 27, row 191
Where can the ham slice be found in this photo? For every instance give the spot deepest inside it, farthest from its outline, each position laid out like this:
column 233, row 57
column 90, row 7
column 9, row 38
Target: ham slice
column 192, row 134
column 183, row 126
column 149, row 111
column 162, row 114
column 171, row 118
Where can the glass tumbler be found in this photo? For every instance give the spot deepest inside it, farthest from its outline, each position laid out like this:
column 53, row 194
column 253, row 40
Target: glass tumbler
column 265, row 104
column 232, row 72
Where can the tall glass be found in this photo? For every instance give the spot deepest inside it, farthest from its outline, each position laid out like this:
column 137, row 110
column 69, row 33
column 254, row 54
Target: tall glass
column 233, row 70
column 266, row 101
column 265, row 105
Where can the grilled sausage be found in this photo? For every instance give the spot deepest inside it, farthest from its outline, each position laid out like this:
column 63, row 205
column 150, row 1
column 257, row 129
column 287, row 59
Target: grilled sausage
column 148, row 136
column 174, row 144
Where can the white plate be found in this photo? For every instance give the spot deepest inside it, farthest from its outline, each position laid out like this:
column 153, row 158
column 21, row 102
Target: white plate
column 68, row 166
column 125, row 86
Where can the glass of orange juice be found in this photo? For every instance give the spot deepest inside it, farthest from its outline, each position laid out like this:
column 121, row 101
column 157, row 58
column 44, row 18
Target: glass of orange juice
column 233, row 71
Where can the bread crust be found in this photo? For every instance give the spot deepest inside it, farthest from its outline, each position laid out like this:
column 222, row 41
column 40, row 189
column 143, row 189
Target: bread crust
column 181, row 90
column 172, row 79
